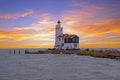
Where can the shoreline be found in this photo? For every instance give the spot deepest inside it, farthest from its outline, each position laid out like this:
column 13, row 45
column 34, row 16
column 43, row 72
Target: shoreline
column 111, row 54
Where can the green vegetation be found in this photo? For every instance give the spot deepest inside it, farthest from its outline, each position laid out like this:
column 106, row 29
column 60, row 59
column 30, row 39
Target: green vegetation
column 86, row 52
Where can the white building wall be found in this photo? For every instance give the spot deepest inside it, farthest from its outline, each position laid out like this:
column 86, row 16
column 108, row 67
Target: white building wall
column 66, row 45
column 70, row 46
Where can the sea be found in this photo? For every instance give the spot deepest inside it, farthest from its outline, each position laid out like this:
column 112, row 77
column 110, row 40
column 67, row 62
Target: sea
column 21, row 66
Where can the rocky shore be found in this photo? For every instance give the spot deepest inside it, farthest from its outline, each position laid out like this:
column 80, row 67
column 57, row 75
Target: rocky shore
column 54, row 51
column 112, row 54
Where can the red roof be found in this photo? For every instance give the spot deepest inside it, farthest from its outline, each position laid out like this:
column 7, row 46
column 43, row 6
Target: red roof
column 58, row 22
column 67, row 35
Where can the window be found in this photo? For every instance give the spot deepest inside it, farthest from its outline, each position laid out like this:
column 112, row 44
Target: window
column 73, row 39
column 66, row 40
column 76, row 39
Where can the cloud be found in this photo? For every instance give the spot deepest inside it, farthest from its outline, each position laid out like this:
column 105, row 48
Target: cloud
column 84, row 5
column 91, row 30
column 15, row 16
column 79, row 17
column 98, row 28
column 45, row 25
column 41, row 29
column 84, row 22
column 15, row 34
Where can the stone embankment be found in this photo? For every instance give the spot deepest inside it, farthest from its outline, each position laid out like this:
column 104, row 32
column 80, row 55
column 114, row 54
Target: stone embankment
column 51, row 51
column 112, row 54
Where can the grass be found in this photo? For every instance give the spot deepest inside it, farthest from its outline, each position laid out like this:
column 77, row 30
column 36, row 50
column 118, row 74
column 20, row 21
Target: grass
column 93, row 53
column 90, row 53
column 99, row 54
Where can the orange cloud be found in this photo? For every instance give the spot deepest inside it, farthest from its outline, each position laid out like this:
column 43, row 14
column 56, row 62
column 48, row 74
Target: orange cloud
column 14, row 16
column 92, row 31
column 83, row 22
column 15, row 34
column 73, row 17
column 98, row 27
column 41, row 32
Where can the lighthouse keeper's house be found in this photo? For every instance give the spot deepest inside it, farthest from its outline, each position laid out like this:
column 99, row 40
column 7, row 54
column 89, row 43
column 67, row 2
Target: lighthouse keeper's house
column 65, row 41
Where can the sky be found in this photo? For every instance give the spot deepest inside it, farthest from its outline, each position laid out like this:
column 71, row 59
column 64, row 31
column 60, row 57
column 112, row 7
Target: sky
column 31, row 23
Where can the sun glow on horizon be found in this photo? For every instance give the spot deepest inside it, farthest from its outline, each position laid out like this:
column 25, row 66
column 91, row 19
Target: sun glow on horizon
column 31, row 26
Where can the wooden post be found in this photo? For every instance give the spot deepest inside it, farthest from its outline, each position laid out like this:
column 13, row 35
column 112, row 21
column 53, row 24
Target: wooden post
column 14, row 51
column 10, row 51
column 19, row 51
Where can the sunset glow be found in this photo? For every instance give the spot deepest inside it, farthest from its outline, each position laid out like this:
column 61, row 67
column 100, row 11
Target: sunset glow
column 31, row 24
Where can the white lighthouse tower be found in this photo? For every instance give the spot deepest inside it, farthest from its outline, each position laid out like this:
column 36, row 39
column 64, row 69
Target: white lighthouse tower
column 58, row 31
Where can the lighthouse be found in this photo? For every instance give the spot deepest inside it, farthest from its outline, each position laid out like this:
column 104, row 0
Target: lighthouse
column 58, row 31
column 65, row 41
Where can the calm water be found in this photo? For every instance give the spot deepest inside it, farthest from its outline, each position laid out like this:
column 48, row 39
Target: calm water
column 56, row 67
